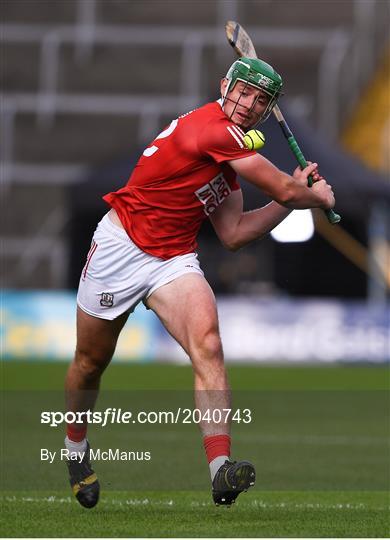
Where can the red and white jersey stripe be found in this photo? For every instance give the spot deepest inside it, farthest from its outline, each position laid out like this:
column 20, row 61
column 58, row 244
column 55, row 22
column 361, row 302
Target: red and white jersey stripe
column 238, row 134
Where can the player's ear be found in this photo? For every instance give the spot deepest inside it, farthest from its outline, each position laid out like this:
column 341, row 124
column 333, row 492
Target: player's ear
column 224, row 84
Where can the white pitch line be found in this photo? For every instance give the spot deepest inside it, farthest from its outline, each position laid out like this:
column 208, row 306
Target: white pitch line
column 147, row 502
column 68, row 500
column 306, row 506
column 51, row 499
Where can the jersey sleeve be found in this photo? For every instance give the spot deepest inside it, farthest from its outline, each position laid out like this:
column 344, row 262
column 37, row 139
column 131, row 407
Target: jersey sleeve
column 230, row 176
column 223, row 141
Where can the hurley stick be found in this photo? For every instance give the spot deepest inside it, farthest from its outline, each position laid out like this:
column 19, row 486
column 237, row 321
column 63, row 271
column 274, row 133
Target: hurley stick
column 242, row 44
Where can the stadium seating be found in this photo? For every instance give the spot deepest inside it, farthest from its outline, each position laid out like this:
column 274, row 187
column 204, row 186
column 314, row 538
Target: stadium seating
column 57, row 124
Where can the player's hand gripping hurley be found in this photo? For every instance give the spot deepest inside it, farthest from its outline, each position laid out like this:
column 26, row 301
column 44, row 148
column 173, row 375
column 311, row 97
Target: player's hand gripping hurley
column 243, row 46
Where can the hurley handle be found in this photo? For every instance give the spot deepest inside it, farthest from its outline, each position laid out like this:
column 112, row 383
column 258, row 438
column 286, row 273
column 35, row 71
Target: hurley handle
column 330, row 214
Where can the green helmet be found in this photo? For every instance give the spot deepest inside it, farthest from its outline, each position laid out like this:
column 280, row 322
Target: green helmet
column 259, row 74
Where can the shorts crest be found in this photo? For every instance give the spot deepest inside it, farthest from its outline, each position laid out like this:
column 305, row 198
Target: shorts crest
column 106, row 299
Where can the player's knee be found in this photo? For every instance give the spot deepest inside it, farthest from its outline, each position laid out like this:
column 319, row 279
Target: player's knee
column 91, row 364
column 209, row 347
column 213, row 346
column 208, row 362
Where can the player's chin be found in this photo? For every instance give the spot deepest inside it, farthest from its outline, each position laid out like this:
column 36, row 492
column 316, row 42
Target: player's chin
column 254, row 121
column 246, row 123
column 243, row 123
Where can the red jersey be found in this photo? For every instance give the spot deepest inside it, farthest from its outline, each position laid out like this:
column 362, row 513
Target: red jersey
column 179, row 181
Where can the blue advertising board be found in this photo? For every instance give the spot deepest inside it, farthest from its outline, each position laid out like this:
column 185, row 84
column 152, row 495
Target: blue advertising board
column 42, row 325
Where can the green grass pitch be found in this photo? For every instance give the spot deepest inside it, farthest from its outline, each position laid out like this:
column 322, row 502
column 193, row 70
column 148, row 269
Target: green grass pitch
column 319, row 440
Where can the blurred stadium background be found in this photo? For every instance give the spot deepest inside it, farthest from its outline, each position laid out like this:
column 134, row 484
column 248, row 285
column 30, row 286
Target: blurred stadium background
column 86, row 84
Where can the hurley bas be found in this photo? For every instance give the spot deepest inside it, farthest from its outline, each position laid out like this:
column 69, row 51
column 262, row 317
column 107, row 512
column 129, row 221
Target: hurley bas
column 112, row 454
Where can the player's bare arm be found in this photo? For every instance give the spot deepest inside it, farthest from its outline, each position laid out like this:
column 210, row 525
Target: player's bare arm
column 236, row 228
column 289, row 191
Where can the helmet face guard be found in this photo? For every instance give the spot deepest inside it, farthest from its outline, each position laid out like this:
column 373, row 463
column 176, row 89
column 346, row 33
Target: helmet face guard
column 258, row 74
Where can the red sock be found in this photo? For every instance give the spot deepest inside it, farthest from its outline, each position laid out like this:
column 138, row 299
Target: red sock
column 76, row 432
column 216, row 445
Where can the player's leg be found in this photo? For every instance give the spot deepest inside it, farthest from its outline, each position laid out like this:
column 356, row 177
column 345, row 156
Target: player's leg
column 96, row 342
column 187, row 308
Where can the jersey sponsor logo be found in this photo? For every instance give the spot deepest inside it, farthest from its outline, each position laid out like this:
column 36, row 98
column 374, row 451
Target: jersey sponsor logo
column 106, row 299
column 213, row 193
column 237, row 134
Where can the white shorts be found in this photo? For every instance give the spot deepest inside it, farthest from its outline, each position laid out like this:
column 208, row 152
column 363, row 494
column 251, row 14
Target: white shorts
column 118, row 274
